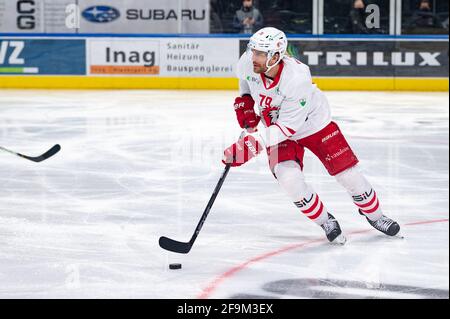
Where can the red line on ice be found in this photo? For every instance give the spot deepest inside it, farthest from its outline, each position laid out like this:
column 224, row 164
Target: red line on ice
column 206, row 292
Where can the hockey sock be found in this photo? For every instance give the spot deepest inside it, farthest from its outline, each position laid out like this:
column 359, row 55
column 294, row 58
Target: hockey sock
column 363, row 195
column 292, row 181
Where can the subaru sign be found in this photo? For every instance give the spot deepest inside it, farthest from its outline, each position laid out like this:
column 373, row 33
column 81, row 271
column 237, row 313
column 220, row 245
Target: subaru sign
column 101, row 14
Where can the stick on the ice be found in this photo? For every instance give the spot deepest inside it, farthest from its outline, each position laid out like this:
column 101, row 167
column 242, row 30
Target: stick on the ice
column 55, row 149
column 182, row 247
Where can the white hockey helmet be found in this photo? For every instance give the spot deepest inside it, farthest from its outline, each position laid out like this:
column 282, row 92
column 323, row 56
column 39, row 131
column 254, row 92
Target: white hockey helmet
column 271, row 41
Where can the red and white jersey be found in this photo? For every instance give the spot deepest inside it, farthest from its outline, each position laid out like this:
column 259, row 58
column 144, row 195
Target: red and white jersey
column 291, row 106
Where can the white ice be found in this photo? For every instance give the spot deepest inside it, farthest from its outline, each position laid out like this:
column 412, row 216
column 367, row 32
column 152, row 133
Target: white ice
column 136, row 165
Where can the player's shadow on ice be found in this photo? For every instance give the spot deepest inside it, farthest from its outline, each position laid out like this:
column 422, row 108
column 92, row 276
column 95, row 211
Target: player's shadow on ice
column 318, row 288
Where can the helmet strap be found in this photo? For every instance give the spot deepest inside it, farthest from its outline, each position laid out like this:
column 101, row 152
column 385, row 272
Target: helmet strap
column 269, row 57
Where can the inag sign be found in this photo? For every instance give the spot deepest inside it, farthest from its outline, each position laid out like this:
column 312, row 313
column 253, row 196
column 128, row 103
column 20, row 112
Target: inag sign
column 124, row 56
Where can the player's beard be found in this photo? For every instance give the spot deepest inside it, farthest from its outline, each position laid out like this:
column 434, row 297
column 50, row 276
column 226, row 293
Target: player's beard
column 258, row 68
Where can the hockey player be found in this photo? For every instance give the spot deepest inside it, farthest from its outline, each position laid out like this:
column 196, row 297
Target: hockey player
column 296, row 115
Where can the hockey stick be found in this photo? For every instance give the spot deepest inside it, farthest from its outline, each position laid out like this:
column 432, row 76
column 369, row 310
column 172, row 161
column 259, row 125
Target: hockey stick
column 55, row 149
column 182, row 247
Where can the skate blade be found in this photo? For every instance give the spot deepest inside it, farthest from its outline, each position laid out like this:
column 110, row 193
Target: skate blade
column 339, row 240
column 399, row 236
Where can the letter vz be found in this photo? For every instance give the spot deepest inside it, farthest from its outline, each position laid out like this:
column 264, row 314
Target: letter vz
column 11, row 57
column 364, row 196
column 304, row 202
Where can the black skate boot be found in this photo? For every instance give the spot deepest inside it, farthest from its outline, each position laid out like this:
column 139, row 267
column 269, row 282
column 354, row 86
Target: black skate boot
column 385, row 225
column 333, row 230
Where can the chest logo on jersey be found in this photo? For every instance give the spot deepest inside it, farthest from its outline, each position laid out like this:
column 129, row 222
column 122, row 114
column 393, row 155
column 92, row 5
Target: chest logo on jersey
column 302, row 102
column 252, row 79
column 268, row 112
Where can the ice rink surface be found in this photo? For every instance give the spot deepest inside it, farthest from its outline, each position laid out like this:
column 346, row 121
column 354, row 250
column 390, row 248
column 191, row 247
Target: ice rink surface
column 136, row 165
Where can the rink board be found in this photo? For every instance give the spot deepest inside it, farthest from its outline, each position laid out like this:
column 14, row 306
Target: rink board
column 209, row 62
column 337, row 84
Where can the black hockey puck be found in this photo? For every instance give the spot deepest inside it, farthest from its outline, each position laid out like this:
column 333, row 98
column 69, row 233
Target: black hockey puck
column 175, row 266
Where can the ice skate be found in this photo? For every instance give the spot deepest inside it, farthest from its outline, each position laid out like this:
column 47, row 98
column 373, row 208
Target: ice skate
column 385, row 225
column 333, row 230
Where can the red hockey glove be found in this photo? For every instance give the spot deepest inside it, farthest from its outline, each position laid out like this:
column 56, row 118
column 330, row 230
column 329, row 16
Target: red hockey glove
column 242, row 151
column 245, row 113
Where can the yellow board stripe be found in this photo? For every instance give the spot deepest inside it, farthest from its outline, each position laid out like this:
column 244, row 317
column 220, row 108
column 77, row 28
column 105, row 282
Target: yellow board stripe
column 325, row 83
column 92, row 82
column 384, row 84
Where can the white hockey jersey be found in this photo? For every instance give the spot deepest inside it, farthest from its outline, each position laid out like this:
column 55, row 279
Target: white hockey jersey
column 291, row 106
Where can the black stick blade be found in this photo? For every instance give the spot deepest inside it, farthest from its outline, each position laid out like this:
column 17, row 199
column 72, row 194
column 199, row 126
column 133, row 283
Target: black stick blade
column 55, row 149
column 174, row 246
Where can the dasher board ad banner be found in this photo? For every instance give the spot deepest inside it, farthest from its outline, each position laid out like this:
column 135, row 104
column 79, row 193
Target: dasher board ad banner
column 35, row 16
column 371, row 58
column 166, row 57
column 139, row 16
column 124, row 57
column 42, row 57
